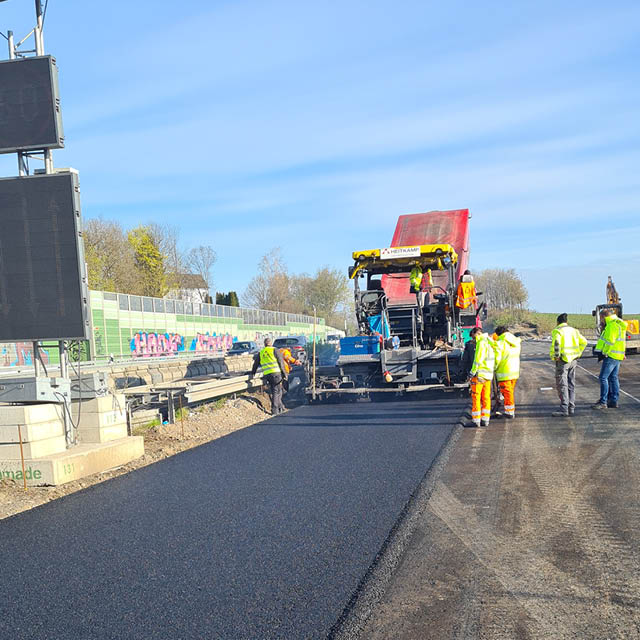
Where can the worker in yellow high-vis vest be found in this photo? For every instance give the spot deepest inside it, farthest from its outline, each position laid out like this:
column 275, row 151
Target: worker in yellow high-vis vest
column 611, row 347
column 274, row 371
column 567, row 345
column 507, row 368
column 484, row 363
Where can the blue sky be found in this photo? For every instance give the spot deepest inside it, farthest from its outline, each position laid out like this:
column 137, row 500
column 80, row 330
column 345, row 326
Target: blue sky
column 312, row 126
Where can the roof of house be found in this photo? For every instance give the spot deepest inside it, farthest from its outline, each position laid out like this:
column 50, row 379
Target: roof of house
column 191, row 281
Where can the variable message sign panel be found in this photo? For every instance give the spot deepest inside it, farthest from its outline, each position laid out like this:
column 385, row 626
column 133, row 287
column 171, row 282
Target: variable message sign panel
column 30, row 115
column 43, row 294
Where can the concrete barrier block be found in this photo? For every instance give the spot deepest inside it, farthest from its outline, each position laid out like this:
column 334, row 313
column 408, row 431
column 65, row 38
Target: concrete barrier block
column 99, row 420
column 102, row 434
column 29, row 413
column 31, row 432
column 104, row 404
column 75, row 463
column 35, row 449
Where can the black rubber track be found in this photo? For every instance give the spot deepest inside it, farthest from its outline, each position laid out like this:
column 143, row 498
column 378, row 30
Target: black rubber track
column 264, row 533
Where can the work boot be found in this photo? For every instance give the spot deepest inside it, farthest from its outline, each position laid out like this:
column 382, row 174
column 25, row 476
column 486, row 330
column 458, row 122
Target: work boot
column 509, row 416
column 571, row 410
column 498, row 416
column 598, row 405
column 612, row 406
column 560, row 414
column 484, row 423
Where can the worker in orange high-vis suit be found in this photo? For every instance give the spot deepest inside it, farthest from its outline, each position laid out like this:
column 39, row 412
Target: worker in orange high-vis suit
column 466, row 295
column 507, row 368
column 481, row 376
column 289, row 361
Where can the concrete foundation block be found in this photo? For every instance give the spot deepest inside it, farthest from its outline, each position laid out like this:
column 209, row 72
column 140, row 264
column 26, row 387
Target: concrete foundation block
column 100, row 420
column 29, row 413
column 104, row 404
column 31, row 432
column 102, row 434
column 73, row 464
column 35, row 449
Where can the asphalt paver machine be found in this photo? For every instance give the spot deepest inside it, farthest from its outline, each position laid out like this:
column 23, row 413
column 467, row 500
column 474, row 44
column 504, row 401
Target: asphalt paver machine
column 410, row 343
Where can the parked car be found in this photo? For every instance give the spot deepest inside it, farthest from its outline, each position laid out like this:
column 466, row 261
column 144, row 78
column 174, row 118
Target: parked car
column 296, row 344
column 240, row 348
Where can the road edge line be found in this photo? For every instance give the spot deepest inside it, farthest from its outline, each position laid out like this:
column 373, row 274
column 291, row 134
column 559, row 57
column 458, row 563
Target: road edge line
column 373, row 584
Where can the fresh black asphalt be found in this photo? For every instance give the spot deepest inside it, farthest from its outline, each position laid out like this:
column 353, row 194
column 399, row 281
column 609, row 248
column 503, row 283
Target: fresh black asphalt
column 264, row 533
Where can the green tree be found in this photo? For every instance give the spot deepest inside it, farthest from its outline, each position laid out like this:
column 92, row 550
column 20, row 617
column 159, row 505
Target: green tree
column 149, row 262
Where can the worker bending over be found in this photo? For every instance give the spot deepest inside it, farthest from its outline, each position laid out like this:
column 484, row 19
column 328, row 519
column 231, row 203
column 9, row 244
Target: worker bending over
column 289, row 361
column 507, row 368
column 466, row 294
column 273, row 372
column 567, row 345
column 481, row 375
column 610, row 347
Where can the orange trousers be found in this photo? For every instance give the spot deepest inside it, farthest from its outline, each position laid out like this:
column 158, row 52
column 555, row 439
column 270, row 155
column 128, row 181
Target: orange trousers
column 508, row 387
column 480, row 400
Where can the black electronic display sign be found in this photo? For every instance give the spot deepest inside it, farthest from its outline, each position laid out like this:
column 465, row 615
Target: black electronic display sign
column 43, row 295
column 30, row 115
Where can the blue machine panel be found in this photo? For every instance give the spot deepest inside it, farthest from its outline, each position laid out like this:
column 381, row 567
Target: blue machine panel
column 359, row 345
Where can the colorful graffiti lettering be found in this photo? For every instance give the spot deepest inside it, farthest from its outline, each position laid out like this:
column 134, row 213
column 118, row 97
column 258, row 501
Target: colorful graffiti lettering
column 145, row 344
column 205, row 343
column 156, row 344
column 20, row 353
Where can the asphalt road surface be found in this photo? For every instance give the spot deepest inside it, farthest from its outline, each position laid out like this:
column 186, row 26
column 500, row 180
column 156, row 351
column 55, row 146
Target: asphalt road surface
column 265, row 533
column 533, row 527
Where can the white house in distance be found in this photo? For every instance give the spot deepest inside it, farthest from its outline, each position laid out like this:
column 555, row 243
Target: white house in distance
column 192, row 288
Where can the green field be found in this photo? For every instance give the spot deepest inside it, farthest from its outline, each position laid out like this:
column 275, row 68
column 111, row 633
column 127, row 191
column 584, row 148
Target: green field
column 545, row 322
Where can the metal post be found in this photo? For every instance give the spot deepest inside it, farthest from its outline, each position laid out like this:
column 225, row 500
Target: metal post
column 66, row 401
column 48, row 161
column 313, row 384
column 12, row 49
column 37, row 32
column 36, row 363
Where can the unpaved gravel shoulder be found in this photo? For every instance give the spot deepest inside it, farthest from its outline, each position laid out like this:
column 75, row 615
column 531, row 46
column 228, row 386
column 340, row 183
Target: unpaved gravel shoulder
column 203, row 424
column 532, row 530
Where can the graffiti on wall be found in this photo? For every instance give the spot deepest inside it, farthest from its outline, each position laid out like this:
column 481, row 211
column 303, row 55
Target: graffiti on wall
column 205, row 343
column 144, row 344
column 19, row 353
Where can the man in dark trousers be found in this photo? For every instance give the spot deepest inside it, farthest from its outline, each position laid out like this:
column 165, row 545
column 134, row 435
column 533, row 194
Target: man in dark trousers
column 273, row 372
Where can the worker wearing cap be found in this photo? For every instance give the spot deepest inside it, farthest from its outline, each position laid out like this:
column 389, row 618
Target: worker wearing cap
column 611, row 346
column 507, row 368
column 273, row 372
column 481, row 375
column 567, row 345
column 466, row 294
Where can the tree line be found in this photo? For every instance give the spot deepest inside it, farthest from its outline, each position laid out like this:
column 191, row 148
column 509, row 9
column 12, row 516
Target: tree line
column 275, row 287
column 146, row 260
column 502, row 288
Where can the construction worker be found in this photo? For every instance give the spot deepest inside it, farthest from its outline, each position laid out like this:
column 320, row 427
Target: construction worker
column 415, row 277
column 567, row 345
column 466, row 294
column 611, row 347
column 481, row 375
column 289, row 361
column 273, row 372
column 507, row 368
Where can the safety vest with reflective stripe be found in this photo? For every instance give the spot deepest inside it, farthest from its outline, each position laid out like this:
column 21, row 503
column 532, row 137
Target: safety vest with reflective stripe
column 567, row 343
column 466, row 295
column 484, row 361
column 416, row 278
column 507, row 357
column 613, row 340
column 268, row 361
